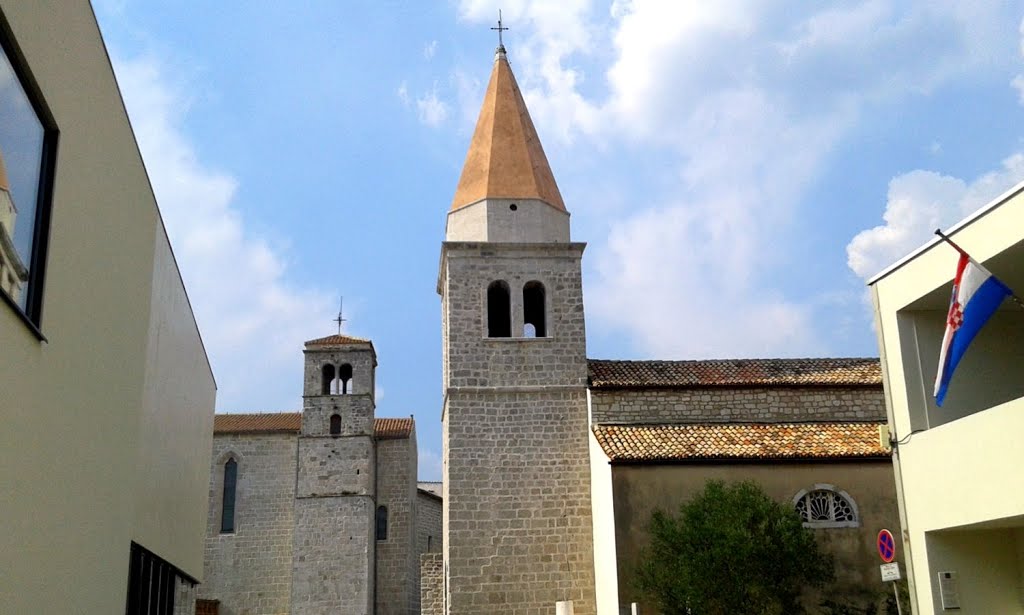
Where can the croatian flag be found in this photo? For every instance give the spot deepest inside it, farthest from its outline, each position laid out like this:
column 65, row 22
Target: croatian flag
column 976, row 295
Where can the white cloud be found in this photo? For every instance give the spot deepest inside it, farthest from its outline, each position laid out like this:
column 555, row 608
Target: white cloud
column 743, row 103
column 253, row 321
column 920, row 202
column 429, row 50
column 403, row 93
column 432, row 110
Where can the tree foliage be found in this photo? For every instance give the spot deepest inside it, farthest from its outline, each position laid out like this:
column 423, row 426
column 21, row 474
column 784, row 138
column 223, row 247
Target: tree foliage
column 732, row 550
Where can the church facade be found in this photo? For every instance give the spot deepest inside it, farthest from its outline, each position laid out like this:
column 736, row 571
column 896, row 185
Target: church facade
column 552, row 462
column 318, row 511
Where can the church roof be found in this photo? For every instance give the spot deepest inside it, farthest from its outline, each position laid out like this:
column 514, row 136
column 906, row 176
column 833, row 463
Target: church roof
column 505, row 157
column 733, row 441
column 270, row 422
column 337, row 340
column 605, row 374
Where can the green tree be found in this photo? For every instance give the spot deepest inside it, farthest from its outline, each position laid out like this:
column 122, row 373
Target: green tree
column 732, row 550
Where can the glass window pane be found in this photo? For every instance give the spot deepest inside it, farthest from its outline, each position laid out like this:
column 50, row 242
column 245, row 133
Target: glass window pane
column 21, row 157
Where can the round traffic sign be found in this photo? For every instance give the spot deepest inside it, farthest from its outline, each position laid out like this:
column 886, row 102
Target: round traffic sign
column 886, row 546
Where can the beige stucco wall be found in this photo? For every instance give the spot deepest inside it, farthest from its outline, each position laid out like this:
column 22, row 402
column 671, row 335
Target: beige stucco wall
column 641, row 489
column 74, row 406
column 964, row 469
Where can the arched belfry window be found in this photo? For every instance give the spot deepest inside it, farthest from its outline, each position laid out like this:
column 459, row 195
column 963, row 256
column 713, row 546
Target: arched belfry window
column 499, row 310
column 534, row 322
column 345, row 379
column 227, row 513
column 327, row 381
column 335, row 424
column 382, row 523
column 824, row 506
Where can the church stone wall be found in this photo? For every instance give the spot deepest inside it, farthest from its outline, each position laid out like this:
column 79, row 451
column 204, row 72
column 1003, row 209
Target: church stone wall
column 757, row 404
column 432, row 584
column 398, row 589
column 249, row 571
column 332, row 569
column 519, row 534
column 472, row 359
column 429, row 536
column 335, row 466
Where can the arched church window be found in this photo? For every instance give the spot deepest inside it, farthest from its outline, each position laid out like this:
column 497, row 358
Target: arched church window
column 335, row 425
column 824, row 506
column 382, row 523
column 345, row 379
column 327, row 381
column 534, row 324
column 499, row 310
column 227, row 513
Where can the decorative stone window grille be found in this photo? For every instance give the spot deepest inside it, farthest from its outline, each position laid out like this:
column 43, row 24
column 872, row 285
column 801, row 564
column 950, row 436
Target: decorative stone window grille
column 825, row 506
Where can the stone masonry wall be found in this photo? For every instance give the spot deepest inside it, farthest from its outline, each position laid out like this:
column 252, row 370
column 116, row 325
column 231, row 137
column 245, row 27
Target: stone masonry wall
column 332, row 569
column 471, row 358
column 760, row 404
column 432, row 584
column 519, row 535
column 517, row 489
column 396, row 483
column 249, row 571
column 429, row 537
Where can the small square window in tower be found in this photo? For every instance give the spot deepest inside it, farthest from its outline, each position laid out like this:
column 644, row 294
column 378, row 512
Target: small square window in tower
column 534, row 324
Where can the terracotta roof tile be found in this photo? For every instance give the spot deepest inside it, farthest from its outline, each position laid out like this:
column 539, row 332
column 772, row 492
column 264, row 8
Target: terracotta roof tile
column 262, row 421
column 739, row 441
column 734, row 372
column 389, row 429
column 335, row 340
column 268, row 422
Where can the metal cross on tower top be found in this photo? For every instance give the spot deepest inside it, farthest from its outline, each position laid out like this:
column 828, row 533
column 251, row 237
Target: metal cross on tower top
column 500, row 29
column 339, row 319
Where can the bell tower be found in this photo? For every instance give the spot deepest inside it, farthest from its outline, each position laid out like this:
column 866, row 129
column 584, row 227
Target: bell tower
column 516, row 512
column 333, row 547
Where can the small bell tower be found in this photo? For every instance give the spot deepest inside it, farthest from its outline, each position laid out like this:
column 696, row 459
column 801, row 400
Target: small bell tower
column 333, row 550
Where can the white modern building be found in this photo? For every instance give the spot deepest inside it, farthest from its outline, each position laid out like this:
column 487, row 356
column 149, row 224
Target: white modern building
column 958, row 467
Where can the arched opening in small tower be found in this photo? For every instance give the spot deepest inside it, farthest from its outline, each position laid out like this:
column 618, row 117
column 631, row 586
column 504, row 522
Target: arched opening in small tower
column 327, row 381
column 499, row 310
column 345, row 378
column 335, row 424
column 382, row 523
column 227, row 511
column 534, row 324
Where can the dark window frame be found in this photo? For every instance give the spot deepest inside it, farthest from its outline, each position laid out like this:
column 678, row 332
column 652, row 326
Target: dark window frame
column 227, row 521
column 499, row 310
column 535, row 307
column 381, row 523
column 32, row 315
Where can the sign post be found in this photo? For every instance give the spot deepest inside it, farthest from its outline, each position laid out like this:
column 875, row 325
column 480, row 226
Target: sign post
column 890, row 570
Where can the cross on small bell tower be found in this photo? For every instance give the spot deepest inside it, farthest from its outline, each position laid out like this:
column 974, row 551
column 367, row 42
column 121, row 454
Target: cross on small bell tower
column 339, row 319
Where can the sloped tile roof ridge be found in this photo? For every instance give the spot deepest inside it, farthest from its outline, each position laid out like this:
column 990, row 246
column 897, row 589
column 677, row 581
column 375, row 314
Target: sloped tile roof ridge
column 822, row 371
column 269, row 422
column 393, row 428
column 741, row 441
column 332, row 340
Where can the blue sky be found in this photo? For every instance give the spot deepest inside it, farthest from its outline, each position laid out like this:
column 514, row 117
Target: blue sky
column 738, row 169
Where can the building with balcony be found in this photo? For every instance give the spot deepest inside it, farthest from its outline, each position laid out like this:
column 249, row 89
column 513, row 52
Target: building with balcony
column 958, row 466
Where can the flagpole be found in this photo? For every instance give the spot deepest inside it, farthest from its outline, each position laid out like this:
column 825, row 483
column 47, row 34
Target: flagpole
column 963, row 252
